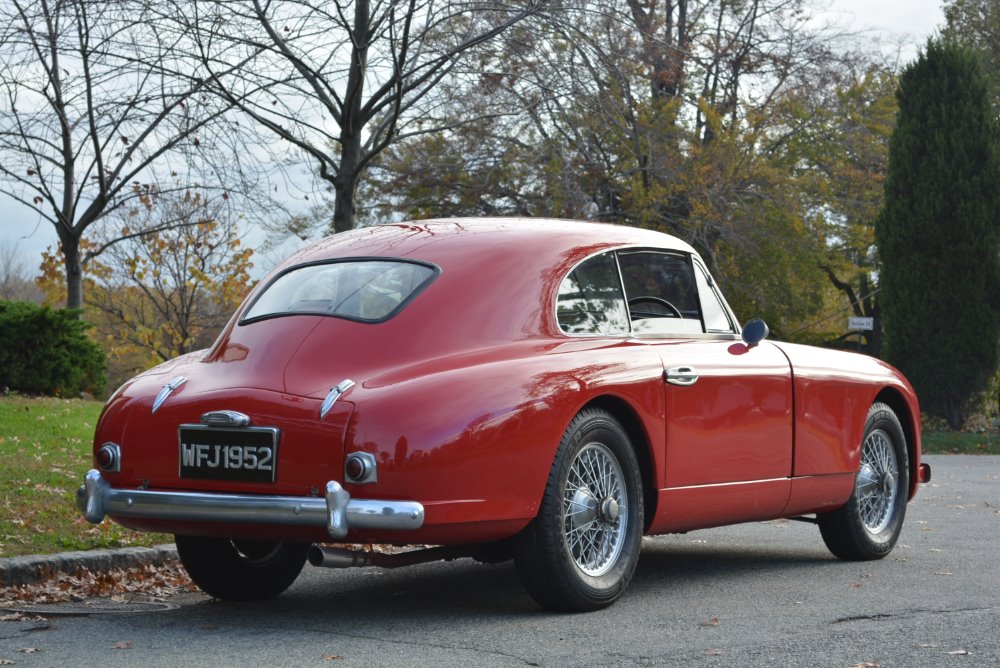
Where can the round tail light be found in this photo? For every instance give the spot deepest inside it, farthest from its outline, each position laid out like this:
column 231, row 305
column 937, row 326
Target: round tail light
column 359, row 467
column 109, row 457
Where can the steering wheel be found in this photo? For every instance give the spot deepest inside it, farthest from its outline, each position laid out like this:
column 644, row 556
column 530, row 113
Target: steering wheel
column 674, row 311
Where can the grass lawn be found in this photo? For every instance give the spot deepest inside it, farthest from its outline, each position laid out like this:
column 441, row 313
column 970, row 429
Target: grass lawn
column 45, row 446
column 960, row 442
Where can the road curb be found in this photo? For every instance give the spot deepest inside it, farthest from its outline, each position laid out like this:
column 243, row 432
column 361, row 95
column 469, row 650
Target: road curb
column 32, row 569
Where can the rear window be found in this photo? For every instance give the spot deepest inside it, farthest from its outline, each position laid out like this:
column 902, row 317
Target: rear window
column 370, row 290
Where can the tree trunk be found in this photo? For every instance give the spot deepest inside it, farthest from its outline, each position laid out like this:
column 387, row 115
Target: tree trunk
column 74, row 270
column 346, row 182
column 344, row 208
column 954, row 414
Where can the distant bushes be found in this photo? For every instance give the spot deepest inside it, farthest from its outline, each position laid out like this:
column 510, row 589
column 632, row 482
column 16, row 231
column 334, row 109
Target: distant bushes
column 46, row 351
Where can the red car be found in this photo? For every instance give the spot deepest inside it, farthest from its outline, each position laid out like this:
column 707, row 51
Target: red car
column 547, row 391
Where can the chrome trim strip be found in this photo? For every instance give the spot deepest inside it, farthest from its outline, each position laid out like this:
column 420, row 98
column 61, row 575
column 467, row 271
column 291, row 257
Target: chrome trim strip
column 333, row 395
column 740, row 482
column 336, row 510
column 166, row 391
column 225, row 419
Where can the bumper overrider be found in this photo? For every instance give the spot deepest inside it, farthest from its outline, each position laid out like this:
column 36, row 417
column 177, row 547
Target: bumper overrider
column 335, row 510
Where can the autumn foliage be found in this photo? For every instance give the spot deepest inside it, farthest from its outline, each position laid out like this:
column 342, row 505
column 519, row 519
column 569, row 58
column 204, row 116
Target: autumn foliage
column 166, row 288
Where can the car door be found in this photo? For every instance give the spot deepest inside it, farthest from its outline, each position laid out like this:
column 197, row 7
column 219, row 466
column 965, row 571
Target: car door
column 728, row 406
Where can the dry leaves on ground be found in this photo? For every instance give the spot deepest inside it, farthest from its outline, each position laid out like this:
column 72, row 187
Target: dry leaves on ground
column 153, row 582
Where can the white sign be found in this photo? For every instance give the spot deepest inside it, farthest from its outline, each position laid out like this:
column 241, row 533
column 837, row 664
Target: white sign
column 860, row 323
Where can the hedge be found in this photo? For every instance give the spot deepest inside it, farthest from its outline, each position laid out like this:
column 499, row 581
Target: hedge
column 46, row 351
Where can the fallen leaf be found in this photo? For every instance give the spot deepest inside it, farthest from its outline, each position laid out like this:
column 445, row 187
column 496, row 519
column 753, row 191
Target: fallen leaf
column 157, row 581
column 958, row 652
column 124, row 644
column 856, row 585
column 332, row 657
column 944, row 573
column 866, row 664
column 713, row 652
column 29, row 650
column 714, row 621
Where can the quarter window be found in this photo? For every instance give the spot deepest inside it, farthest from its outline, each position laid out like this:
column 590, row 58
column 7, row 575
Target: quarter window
column 590, row 299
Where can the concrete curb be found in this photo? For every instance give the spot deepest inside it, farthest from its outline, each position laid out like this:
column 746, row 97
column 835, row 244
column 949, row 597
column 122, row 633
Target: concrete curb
column 31, row 569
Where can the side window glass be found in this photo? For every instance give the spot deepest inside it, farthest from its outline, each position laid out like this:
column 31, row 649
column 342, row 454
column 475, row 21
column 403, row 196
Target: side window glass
column 716, row 319
column 662, row 292
column 590, row 299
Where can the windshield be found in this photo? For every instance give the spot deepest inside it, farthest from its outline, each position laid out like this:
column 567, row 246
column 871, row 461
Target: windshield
column 365, row 290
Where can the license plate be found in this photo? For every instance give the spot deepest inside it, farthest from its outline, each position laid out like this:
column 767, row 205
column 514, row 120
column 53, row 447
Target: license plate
column 245, row 455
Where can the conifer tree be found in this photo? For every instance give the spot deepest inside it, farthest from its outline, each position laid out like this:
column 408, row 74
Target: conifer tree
column 939, row 232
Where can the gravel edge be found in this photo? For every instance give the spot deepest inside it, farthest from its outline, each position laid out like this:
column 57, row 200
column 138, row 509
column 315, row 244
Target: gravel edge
column 16, row 571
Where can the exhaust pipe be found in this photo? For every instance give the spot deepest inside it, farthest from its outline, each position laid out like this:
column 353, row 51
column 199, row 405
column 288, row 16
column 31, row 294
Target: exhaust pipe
column 338, row 557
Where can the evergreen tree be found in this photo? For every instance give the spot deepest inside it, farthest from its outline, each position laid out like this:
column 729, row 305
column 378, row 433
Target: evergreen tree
column 939, row 232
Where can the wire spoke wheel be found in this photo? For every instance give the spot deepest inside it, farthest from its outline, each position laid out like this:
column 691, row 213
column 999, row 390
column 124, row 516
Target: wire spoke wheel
column 580, row 551
column 594, row 510
column 876, row 485
column 867, row 526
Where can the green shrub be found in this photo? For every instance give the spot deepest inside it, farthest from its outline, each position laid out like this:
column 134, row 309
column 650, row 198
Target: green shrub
column 46, row 351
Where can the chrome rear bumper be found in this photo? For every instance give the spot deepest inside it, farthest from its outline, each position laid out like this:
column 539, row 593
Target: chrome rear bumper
column 335, row 510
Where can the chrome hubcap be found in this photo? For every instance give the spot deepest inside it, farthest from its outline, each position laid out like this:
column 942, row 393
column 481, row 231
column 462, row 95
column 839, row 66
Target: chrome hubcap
column 878, row 481
column 594, row 510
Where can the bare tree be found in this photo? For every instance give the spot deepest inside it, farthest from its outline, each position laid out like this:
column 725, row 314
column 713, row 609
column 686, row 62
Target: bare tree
column 15, row 280
column 96, row 108
column 341, row 81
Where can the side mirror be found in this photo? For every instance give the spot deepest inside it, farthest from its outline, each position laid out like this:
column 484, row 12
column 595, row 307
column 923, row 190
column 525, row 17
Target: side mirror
column 754, row 332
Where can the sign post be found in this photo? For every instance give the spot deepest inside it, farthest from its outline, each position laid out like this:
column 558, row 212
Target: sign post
column 860, row 325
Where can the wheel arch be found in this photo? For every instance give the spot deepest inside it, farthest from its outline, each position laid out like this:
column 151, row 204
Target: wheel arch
column 622, row 411
column 910, row 422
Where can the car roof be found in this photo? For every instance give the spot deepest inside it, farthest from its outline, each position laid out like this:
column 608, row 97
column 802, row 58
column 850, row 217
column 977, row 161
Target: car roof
column 464, row 240
column 498, row 276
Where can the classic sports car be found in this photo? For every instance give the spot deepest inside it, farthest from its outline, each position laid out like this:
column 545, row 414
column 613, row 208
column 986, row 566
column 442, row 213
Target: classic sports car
column 542, row 390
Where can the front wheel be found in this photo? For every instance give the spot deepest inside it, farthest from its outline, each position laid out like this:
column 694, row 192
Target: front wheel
column 868, row 525
column 241, row 570
column 580, row 551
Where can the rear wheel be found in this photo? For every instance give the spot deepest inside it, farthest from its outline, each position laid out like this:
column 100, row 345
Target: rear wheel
column 241, row 570
column 868, row 525
column 580, row 552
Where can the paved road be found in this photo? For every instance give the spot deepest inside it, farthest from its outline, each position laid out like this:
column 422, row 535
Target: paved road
column 755, row 595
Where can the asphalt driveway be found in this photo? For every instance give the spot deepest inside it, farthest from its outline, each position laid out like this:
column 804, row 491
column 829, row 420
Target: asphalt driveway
column 754, row 595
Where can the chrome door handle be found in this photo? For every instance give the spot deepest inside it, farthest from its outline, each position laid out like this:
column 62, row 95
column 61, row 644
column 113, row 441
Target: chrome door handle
column 681, row 375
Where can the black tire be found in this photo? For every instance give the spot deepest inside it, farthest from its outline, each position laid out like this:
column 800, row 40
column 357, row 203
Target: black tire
column 241, row 570
column 868, row 525
column 560, row 571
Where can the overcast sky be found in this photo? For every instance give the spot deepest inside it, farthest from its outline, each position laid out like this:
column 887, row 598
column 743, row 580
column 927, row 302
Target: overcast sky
column 910, row 21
